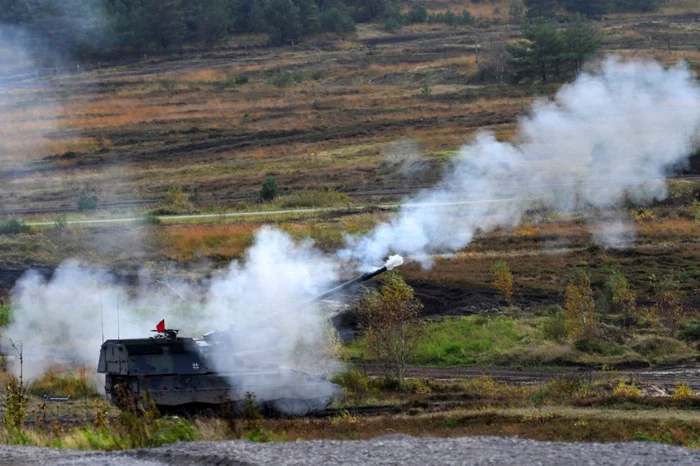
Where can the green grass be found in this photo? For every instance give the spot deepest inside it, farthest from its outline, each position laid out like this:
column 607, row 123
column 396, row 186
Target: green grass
column 509, row 342
column 471, row 340
column 313, row 198
column 4, row 315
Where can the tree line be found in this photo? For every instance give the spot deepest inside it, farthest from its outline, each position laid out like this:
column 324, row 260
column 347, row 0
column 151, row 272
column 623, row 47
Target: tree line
column 590, row 8
column 90, row 28
column 85, row 27
column 547, row 52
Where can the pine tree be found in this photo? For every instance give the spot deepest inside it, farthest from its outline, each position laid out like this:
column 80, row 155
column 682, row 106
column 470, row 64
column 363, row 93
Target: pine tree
column 309, row 16
column 541, row 55
column 590, row 8
column 284, row 24
column 540, row 8
column 215, row 20
column 580, row 41
column 257, row 19
column 167, row 20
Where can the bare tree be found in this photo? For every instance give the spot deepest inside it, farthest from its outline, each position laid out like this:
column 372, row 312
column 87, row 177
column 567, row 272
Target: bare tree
column 495, row 64
column 389, row 318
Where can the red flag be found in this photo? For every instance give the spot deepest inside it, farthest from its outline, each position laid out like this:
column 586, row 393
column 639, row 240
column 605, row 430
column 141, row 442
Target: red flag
column 160, row 328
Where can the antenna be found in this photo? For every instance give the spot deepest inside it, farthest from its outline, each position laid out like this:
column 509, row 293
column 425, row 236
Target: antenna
column 118, row 317
column 102, row 320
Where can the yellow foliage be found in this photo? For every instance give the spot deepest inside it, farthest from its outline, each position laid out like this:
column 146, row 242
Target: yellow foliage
column 579, row 305
column 682, row 391
column 628, row 391
column 503, row 279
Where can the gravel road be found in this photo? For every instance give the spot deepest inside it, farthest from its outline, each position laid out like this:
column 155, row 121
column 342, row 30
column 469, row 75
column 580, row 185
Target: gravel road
column 392, row 450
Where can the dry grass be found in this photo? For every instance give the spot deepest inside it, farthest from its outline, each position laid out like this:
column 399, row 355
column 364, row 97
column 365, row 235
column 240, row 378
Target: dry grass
column 186, row 243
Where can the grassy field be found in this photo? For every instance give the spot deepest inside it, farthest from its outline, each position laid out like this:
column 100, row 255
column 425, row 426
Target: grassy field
column 564, row 409
column 312, row 116
column 349, row 125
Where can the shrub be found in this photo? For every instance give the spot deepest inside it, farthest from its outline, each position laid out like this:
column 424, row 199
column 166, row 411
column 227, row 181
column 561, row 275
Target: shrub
column 503, row 279
column 268, row 190
column 554, row 327
column 579, row 305
column 627, row 391
column 622, row 299
column 287, row 78
column 317, row 75
column 151, row 219
column 87, row 203
column 682, row 391
column 592, row 345
column 392, row 24
column 669, row 308
column 417, row 14
column 242, row 79
column 61, row 223
column 389, row 318
column 337, row 19
column 354, row 382
column 660, row 350
column 13, row 227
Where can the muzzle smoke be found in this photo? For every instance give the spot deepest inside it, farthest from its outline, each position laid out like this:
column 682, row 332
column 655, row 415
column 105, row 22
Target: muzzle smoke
column 608, row 137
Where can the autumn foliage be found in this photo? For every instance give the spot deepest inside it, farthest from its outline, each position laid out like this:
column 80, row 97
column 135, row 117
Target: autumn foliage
column 389, row 318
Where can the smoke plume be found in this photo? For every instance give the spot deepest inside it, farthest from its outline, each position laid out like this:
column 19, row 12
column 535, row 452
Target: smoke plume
column 69, row 315
column 609, row 137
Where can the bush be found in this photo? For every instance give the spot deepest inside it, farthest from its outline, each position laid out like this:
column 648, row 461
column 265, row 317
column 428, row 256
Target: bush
column 682, row 391
column 287, row 78
column 268, row 190
column 579, row 306
column 626, row 391
column 354, row 382
column 554, row 327
column 13, row 227
column 417, row 14
column 503, row 279
column 659, row 350
column 598, row 346
column 622, row 299
column 87, row 203
column 61, row 223
column 392, row 25
column 337, row 19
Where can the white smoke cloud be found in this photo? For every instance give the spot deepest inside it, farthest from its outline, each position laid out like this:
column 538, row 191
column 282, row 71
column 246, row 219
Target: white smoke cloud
column 66, row 316
column 607, row 137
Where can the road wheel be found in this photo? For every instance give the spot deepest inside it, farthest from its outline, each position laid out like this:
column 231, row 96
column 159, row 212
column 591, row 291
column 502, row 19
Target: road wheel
column 292, row 407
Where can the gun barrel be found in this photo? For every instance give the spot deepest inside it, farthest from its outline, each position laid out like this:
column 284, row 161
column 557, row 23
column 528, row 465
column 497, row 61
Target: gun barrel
column 362, row 278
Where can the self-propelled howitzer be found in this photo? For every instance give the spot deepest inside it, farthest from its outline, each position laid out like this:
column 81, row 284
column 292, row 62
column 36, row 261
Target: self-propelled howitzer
column 187, row 373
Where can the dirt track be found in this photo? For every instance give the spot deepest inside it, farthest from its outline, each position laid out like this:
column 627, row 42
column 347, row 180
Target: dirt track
column 395, row 449
column 662, row 378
